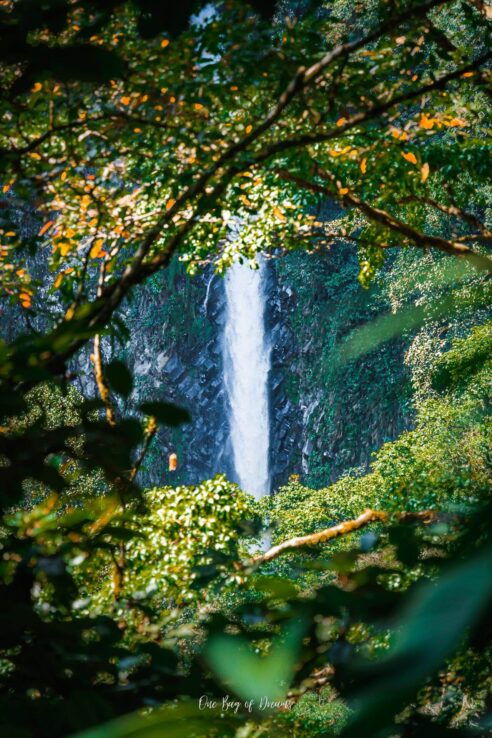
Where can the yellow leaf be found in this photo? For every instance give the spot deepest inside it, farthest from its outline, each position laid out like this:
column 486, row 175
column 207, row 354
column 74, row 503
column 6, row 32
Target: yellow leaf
column 409, row 157
column 426, row 122
column 58, row 281
column 248, row 129
column 279, row 214
column 170, row 203
column 35, row 155
column 424, row 171
column 363, row 165
column 64, row 248
column 343, row 191
column 96, row 250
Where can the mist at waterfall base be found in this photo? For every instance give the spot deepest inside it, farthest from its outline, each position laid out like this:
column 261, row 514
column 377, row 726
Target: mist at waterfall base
column 246, row 357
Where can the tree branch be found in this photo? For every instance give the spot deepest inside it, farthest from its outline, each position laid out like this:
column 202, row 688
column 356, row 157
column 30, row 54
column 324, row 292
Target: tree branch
column 96, row 359
column 452, row 210
column 422, row 240
column 101, row 382
column 348, row 526
column 71, row 125
column 150, row 432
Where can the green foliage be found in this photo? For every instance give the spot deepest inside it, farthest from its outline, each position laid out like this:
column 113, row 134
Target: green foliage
column 171, row 546
column 143, row 149
column 466, row 357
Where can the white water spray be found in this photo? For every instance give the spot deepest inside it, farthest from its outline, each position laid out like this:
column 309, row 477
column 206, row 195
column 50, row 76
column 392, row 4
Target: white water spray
column 246, row 368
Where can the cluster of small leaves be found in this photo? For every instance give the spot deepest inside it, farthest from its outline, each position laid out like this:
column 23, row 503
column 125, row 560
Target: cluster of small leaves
column 182, row 536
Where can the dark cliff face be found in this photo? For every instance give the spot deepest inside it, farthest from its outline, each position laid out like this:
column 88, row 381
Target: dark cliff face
column 328, row 419
column 175, row 352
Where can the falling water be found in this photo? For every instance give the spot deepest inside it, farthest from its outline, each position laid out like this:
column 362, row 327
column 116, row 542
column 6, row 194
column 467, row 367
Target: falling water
column 246, row 368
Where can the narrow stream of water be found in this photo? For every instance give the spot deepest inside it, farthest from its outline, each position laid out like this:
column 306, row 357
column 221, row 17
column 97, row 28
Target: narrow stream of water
column 246, row 369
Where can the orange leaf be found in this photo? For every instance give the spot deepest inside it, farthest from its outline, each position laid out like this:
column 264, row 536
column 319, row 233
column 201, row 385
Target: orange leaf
column 170, row 203
column 363, row 166
column 38, row 86
column 343, row 191
column 46, row 227
column 409, row 157
column 454, row 122
column 424, row 171
column 198, row 106
column 248, row 129
column 164, row 43
column 279, row 214
column 341, row 122
column 58, row 281
column 426, row 122
column 125, row 100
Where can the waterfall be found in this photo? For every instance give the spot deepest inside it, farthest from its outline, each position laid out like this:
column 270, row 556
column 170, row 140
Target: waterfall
column 246, row 368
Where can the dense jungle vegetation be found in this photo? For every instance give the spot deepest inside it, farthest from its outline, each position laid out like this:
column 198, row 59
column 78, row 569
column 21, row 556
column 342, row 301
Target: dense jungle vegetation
column 141, row 138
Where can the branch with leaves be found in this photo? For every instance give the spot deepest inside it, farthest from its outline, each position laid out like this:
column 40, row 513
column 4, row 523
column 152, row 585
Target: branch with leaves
column 377, row 215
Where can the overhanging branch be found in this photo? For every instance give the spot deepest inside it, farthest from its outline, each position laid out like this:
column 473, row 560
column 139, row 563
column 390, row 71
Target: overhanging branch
column 377, row 215
column 348, row 526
